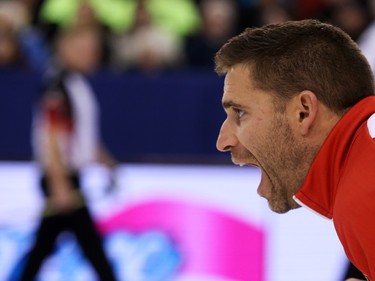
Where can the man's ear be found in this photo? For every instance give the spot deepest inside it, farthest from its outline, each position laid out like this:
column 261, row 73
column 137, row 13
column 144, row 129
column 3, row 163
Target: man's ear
column 307, row 107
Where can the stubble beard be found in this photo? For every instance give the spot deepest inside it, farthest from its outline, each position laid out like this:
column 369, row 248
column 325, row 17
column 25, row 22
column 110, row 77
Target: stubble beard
column 287, row 161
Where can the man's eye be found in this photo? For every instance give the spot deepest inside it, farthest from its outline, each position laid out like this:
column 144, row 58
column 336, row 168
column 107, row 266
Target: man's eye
column 239, row 112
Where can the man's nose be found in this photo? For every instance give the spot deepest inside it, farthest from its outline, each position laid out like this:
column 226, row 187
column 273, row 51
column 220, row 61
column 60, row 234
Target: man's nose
column 226, row 139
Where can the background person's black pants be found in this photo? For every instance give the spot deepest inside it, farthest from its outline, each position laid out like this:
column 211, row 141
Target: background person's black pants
column 78, row 222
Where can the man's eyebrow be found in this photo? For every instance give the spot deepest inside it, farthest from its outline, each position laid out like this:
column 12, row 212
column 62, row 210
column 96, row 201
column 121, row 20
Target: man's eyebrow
column 228, row 104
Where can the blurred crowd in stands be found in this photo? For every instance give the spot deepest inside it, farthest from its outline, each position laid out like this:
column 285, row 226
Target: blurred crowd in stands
column 153, row 35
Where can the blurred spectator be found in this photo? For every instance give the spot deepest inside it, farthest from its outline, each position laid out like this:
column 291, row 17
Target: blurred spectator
column 65, row 140
column 77, row 49
column 303, row 9
column 49, row 17
column 63, row 13
column 21, row 45
column 274, row 12
column 179, row 16
column 12, row 18
column 219, row 23
column 357, row 19
column 169, row 22
column 353, row 16
column 147, row 46
column 87, row 18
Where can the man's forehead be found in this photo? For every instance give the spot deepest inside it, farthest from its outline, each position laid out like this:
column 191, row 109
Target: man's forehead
column 238, row 75
column 240, row 91
column 237, row 81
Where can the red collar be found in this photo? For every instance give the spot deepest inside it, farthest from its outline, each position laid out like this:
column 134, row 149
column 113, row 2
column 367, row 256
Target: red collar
column 318, row 192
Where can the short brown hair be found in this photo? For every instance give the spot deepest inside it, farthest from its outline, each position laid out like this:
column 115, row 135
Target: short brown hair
column 293, row 56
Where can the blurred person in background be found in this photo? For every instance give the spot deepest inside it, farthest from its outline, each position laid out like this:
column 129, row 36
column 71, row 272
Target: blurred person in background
column 169, row 22
column 146, row 47
column 352, row 16
column 303, row 9
column 49, row 17
column 180, row 16
column 356, row 17
column 86, row 17
column 13, row 18
column 219, row 23
column 275, row 12
column 65, row 140
column 21, row 43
